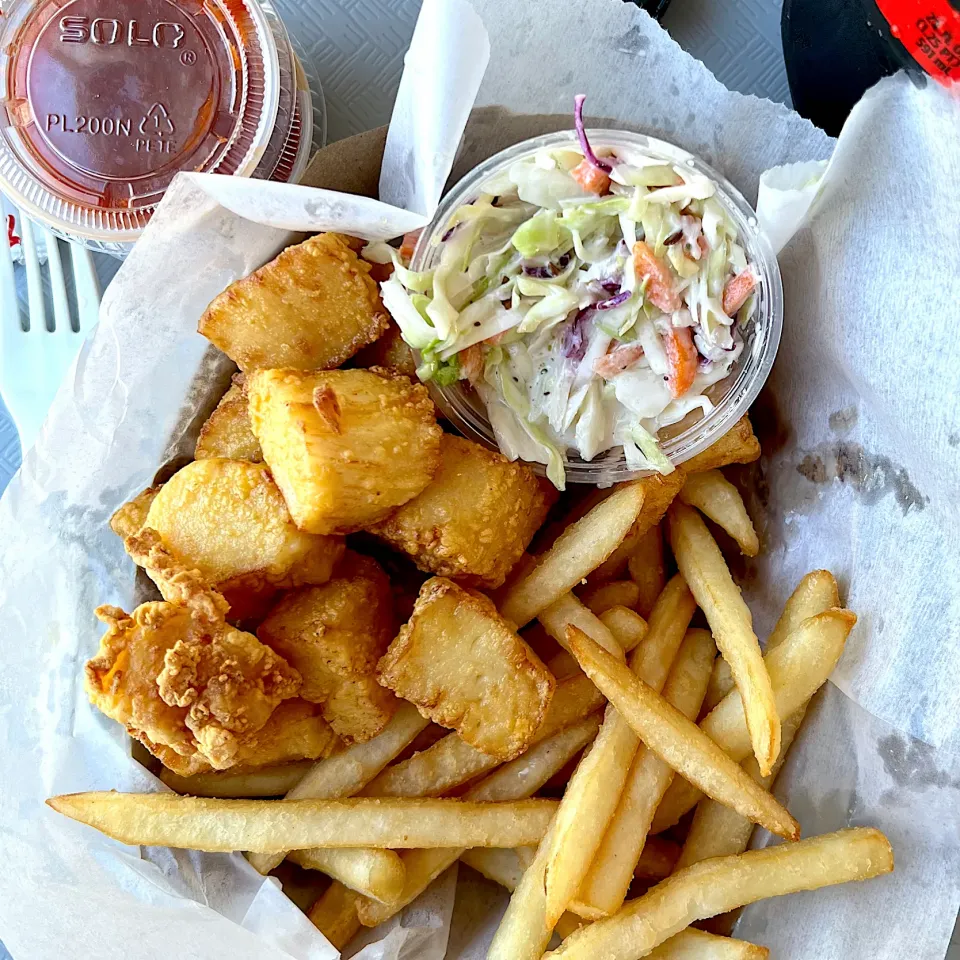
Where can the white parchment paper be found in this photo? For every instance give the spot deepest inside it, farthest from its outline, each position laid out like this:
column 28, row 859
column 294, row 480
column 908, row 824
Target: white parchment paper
column 859, row 474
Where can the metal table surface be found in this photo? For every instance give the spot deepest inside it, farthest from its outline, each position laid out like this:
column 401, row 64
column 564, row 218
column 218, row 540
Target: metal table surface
column 357, row 48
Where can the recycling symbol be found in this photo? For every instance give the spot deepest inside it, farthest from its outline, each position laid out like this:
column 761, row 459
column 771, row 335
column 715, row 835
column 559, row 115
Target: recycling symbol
column 156, row 122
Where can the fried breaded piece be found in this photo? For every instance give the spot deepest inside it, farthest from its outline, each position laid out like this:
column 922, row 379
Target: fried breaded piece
column 345, row 446
column 185, row 685
column 227, row 433
column 310, row 309
column 390, row 352
column 738, row 445
column 228, row 519
column 474, row 519
column 334, row 635
column 463, row 666
column 130, row 518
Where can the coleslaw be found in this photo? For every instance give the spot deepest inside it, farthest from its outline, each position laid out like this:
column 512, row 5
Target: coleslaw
column 589, row 297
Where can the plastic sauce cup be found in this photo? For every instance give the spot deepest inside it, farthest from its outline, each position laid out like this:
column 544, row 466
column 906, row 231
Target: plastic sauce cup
column 101, row 105
column 731, row 397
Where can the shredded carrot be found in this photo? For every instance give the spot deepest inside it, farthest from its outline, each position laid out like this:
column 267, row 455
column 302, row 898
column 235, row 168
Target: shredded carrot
column 737, row 290
column 409, row 245
column 590, row 178
column 682, row 358
column 649, row 267
column 471, row 363
column 616, row 361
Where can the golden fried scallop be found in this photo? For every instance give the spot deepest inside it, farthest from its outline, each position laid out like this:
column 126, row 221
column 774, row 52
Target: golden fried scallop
column 227, row 432
column 185, row 683
column 464, row 667
column 334, row 636
column 390, row 352
column 130, row 518
column 346, row 446
column 475, row 518
column 228, row 519
column 310, row 309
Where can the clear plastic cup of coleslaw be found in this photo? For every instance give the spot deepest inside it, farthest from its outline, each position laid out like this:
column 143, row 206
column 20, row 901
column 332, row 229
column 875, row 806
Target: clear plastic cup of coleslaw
column 730, row 398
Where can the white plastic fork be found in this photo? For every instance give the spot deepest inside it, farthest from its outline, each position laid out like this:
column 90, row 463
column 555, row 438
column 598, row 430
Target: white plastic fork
column 36, row 350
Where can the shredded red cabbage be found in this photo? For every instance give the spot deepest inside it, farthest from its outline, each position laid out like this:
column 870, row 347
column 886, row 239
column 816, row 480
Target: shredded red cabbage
column 588, row 153
column 574, row 340
column 620, row 298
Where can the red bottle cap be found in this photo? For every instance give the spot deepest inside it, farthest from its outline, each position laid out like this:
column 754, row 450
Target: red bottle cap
column 102, row 104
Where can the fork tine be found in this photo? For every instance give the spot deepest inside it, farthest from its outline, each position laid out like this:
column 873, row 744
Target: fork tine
column 58, row 285
column 9, row 307
column 37, row 310
column 87, row 285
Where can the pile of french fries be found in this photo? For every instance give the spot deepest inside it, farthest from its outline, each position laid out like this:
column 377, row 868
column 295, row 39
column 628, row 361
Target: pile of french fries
column 607, row 658
column 663, row 724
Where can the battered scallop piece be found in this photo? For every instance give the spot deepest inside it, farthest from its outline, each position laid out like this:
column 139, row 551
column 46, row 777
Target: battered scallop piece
column 227, row 432
column 334, row 635
column 345, row 446
column 187, row 685
column 310, row 309
column 228, row 519
column 463, row 666
column 130, row 518
column 475, row 518
column 390, row 352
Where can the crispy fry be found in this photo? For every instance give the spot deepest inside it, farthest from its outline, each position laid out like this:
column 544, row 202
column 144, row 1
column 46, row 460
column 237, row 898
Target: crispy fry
column 798, row 668
column 377, row 874
column 739, row 445
column 229, row 519
column 238, row 784
column 227, row 433
column 657, row 860
column 605, row 884
column 815, row 593
column 676, row 740
column 716, row 886
column 498, row 864
column 270, row 826
column 311, row 308
column 647, row 570
column 334, row 636
column 463, row 666
column 580, row 549
column 694, row 944
column 591, row 797
column 346, row 447
column 717, row 498
column 349, row 771
column 515, row 781
column 451, row 762
column 718, row 831
column 705, row 570
column 474, row 519
column 627, row 627
column 616, row 593
column 335, row 915
column 567, row 611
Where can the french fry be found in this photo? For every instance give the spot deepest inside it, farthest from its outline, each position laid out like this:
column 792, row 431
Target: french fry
column 646, row 568
column 816, row 592
column 374, row 873
column 569, row 610
column 677, row 740
column 798, row 667
column 605, row 884
column 657, row 859
column 614, row 566
column 590, row 800
column 335, row 914
column 718, row 831
column 627, row 626
column 580, row 549
column 717, row 886
column 564, row 665
column 703, row 567
column 616, row 593
column 717, row 498
column 271, row 826
column 738, row 445
column 516, row 780
column 450, row 762
column 349, row 771
column 496, row 864
column 240, row 784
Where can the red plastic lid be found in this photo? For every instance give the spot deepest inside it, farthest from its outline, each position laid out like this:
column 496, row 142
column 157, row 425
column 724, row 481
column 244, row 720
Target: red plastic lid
column 929, row 30
column 100, row 107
